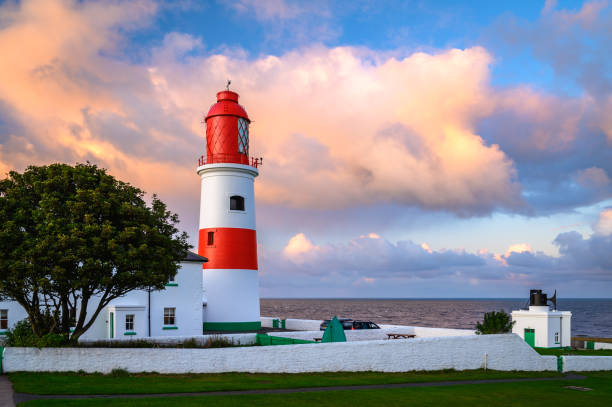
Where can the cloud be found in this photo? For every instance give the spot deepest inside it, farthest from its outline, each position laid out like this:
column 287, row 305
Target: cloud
column 289, row 22
column 384, row 268
column 298, row 246
column 352, row 141
column 266, row 10
column 341, row 129
column 604, row 223
column 369, row 128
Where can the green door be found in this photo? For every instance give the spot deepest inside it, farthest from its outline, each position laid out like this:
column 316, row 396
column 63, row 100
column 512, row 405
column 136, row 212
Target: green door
column 530, row 336
column 112, row 325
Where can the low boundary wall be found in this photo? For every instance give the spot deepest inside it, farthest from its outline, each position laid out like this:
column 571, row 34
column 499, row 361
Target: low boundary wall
column 498, row 352
column 586, row 363
column 419, row 331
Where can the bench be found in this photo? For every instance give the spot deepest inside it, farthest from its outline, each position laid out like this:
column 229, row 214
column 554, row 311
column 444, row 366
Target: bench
column 400, row 336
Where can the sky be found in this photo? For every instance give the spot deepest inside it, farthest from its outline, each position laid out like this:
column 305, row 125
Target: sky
column 421, row 149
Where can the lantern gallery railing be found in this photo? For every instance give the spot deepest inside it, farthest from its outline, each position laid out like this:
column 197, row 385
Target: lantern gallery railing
column 228, row 158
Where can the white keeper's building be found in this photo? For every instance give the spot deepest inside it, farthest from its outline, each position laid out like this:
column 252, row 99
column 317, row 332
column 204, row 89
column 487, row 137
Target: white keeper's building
column 178, row 309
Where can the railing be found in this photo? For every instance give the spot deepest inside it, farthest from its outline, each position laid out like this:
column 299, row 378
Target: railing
column 229, row 158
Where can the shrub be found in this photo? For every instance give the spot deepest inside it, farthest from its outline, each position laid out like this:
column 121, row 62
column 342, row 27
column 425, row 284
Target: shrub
column 119, row 373
column 23, row 335
column 218, row 342
column 494, row 323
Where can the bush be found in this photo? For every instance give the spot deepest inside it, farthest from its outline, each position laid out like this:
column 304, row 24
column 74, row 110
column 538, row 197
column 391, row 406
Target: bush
column 22, row 335
column 119, row 373
column 218, row 342
column 494, row 323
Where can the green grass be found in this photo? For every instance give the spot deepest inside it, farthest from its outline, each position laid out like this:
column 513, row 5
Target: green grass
column 574, row 352
column 75, row 383
column 548, row 393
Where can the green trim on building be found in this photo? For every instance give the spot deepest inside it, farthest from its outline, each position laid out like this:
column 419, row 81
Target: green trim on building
column 165, row 328
column 3, row 332
column 232, row 326
column 172, row 285
column 129, row 333
column 559, row 364
column 267, row 340
column 590, row 345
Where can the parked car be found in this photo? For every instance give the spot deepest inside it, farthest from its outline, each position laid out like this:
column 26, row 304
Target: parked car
column 348, row 324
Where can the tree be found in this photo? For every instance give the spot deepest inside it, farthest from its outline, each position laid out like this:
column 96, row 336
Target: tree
column 73, row 238
column 494, row 323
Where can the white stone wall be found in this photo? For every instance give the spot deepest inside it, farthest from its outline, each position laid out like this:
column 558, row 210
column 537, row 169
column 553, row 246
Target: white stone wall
column 586, row 363
column 303, row 324
column 427, row 332
column 602, row 345
column 377, row 334
column 312, row 325
column 503, row 352
column 266, row 322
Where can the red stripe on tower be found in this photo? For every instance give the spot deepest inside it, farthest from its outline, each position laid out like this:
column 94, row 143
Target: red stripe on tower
column 228, row 248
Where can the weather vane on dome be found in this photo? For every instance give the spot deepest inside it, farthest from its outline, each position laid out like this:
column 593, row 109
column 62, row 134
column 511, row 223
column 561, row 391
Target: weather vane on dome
column 228, row 83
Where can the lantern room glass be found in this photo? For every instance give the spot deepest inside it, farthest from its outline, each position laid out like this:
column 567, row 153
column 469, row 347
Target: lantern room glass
column 243, row 136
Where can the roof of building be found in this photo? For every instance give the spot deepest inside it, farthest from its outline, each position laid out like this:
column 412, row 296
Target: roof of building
column 191, row 256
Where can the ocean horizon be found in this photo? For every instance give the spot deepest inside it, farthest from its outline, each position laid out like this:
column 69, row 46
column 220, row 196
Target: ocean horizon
column 590, row 316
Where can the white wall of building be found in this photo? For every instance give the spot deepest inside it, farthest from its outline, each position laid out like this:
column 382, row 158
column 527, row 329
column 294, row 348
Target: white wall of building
column 15, row 313
column 184, row 294
column 501, row 352
column 546, row 324
column 602, row 345
column 586, row 363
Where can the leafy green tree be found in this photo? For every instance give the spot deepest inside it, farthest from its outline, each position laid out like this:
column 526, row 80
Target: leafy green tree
column 73, row 238
column 494, row 323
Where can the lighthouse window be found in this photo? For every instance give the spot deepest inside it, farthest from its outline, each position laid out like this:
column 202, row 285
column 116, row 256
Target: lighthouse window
column 211, row 238
column 169, row 314
column 129, row 322
column 3, row 319
column 243, row 136
column 237, row 203
column 556, row 337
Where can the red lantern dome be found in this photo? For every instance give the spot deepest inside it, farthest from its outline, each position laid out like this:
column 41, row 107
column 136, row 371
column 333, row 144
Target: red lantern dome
column 227, row 131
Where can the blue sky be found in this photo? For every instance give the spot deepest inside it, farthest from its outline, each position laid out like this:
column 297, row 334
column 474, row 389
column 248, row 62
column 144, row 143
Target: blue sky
column 426, row 148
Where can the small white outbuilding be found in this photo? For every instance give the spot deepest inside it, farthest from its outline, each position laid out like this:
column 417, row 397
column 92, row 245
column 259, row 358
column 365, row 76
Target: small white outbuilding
column 540, row 326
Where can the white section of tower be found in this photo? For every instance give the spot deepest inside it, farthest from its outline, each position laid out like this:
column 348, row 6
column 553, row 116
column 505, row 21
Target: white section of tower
column 232, row 295
column 219, row 183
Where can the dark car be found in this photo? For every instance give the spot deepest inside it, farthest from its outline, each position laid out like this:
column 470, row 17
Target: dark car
column 349, row 324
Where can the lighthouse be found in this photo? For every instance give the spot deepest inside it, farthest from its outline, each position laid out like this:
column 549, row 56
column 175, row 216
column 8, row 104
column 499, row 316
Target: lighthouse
column 227, row 234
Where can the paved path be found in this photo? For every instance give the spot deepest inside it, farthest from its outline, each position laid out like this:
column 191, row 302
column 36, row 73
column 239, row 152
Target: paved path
column 21, row 397
column 6, row 392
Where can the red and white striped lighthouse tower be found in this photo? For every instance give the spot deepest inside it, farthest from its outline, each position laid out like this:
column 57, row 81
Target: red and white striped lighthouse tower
column 227, row 219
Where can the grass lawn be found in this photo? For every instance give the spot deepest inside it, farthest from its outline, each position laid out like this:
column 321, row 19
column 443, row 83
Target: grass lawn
column 549, row 393
column 75, row 383
column 576, row 352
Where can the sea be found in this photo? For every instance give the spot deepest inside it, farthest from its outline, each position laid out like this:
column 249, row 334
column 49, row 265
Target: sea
column 591, row 317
